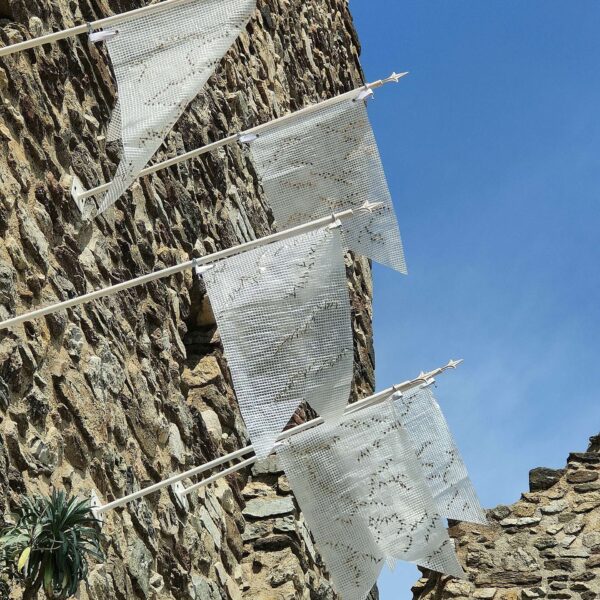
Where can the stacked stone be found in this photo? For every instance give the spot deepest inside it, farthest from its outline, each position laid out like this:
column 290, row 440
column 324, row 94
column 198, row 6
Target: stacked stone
column 126, row 391
column 279, row 544
column 547, row 545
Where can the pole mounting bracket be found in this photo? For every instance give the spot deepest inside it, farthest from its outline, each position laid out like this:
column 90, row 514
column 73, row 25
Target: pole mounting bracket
column 180, row 496
column 77, row 190
column 95, row 505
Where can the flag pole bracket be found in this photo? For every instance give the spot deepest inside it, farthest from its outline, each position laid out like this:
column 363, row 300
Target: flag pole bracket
column 365, row 95
column 247, row 138
column 77, row 190
column 180, row 496
column 95, row 505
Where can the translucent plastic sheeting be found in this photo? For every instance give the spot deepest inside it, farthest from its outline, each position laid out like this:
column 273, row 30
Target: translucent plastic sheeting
column 362, row 491
column 445, row 473
column 315, row 164
column 161, row 62
column 283, row 312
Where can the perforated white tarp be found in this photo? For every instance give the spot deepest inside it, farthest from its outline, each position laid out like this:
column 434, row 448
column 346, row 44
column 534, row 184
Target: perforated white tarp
column 445, row 472
column 362, row 491
column 283, row 312
column 161, row 61
column 312, row 165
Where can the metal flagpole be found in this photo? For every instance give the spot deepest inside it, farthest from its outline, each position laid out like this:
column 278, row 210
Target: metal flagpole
column 196, row 262
column 86, row 28
column 350, row 409
column 79, row 194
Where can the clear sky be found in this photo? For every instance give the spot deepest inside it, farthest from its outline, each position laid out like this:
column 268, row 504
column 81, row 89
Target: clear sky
column 492, row 150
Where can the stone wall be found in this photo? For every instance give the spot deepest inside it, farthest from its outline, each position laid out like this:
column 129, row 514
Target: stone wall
column 547, row 545
column 121, row 393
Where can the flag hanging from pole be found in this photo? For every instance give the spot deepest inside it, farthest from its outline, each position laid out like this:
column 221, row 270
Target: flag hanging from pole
column 361, row 489
column 283, row 312
column 161, row 61
column 445, row 472
column 315, row 164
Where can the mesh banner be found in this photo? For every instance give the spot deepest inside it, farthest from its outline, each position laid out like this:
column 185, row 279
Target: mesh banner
column 113, row 132
column 445, row 473
column 283, row 312
column 362, row 491
column 325, row 162
column 161, row 62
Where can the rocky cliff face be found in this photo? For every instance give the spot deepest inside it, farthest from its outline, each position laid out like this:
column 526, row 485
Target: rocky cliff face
column 547, row 545
column 123, row 392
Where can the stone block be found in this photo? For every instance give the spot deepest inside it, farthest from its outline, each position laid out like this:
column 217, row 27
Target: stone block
column 583, row 476
column 201, row 588
column 206, row 370
column 261, row 508
column 267, row 466
column 508, row 579
column 542, row 479
column 520, row 522
column 554, row 507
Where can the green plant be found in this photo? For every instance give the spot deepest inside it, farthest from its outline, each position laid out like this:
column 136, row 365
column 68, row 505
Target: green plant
column 50, row 543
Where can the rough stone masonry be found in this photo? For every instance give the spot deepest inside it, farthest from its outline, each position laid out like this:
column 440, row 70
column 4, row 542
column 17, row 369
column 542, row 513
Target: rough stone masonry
column 547, row 545
column 124, row 392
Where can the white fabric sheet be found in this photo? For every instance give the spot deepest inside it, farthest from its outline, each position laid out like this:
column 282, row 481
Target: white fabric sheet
column 283, row 312
column 316, row 164
column 362, row 491
column 445, row 473
column 161, row 62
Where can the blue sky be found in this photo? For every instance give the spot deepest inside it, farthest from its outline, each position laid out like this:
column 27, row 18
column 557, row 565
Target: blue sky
column 492, row 150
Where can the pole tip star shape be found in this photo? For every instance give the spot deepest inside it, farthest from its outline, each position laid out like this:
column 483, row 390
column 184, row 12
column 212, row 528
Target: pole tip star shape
column 369, row 207
column 452, row 364
column 455, row 363
column 396, row 77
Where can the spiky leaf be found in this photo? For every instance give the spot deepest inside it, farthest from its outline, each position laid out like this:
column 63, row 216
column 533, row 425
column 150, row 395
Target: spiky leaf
column 23, row 558
column 51, row 542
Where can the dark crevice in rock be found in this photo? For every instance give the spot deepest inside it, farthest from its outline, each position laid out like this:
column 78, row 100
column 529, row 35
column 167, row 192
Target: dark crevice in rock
column 5, row 11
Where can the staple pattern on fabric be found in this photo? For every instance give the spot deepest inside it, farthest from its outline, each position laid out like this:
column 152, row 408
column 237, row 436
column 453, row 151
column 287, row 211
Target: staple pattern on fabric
column 324, row 162
column 445, row 472
column 362, row 491
column 161, row 61
column 283, row 312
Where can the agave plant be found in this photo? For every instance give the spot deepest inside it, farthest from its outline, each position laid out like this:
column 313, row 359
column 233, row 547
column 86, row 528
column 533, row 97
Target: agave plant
column 50, row 544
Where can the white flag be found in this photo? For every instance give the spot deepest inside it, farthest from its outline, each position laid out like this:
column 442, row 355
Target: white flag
column 283, row 312
column 362, row 491
column 445, row 473
column 161, row 62
column 325, row 162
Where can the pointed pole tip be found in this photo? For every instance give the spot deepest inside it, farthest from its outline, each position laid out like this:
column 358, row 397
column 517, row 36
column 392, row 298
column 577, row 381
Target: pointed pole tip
column 397, row 76
column 455, row 363
column 393, row 78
